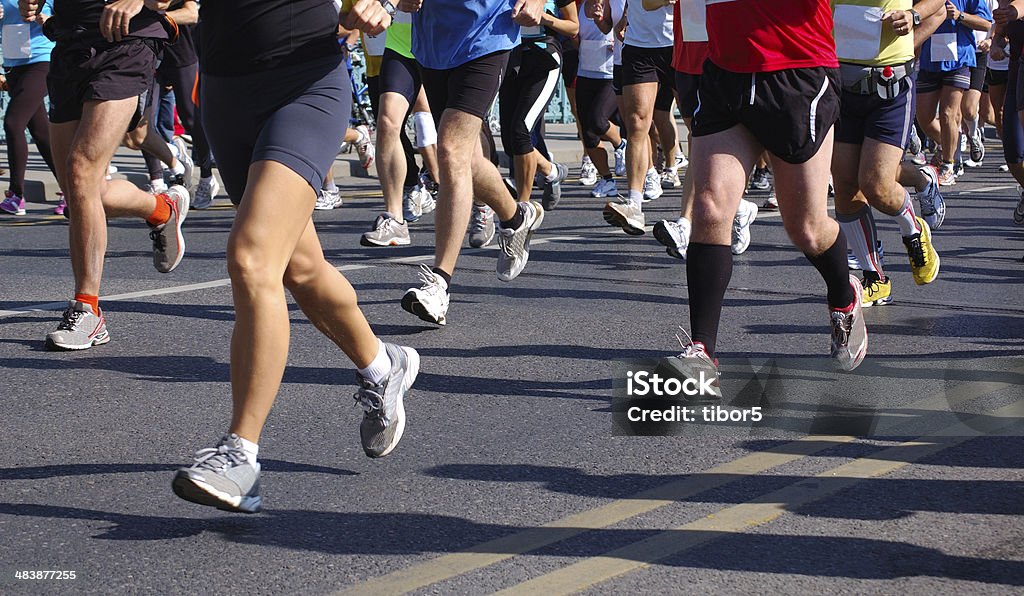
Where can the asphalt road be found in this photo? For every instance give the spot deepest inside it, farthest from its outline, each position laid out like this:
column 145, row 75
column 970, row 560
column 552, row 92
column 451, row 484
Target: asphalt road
column 509, row 476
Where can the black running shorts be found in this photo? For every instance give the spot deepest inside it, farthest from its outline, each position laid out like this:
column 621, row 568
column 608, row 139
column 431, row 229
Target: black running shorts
column 399, row 74
column 789, row 112
column 469, row 87
column 295, row 115
column 650, row 65
column 101, row 72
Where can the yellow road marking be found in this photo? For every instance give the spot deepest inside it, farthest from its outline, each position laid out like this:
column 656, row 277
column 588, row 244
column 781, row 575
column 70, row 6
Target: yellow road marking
column 760, row 511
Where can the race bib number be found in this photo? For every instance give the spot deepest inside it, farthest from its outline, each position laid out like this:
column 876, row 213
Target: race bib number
column 374, row 46
column 17, row 43
column 694, row 17
column 596, row 56
column 858, row 31
column 944, row 48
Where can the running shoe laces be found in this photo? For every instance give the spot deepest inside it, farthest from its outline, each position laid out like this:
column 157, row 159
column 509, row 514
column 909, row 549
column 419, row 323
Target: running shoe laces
column 370, row 396
column 915, row 250
column 220, row 458
column 159, row 241
column 70, row 320
column 481, row 213
column 842, row 325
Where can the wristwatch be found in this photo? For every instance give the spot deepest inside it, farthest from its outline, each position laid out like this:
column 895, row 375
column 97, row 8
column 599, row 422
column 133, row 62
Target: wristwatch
column 960, row 18
column 916, row 16
column 389, row 8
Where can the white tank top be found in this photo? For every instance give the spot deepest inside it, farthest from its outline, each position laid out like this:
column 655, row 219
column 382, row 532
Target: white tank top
column 649, row 28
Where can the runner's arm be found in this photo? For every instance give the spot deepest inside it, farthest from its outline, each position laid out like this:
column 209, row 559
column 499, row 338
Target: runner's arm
column 568, row 25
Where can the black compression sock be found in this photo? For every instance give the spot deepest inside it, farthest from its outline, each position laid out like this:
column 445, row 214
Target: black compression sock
column 708, row 271
column 833, row 268
column 443, row 275
column 515, row 222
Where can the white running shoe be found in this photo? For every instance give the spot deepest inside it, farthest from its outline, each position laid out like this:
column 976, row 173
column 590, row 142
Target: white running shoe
column 328, row 199
column 930, row 201
column 674, row 236
column 745, row 216
column 514, row 245
column 481, row 226
column 364, row 147
column 620, row 159
column 624, row 214
column 206, row 190
column 430, row 301
column 605, row 188
column 652, row 185
column 588, row 172
column 670, row 177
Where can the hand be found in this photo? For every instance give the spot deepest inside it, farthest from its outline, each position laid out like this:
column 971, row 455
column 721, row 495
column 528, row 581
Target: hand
column 116, row 18
column 30, row 10
column 528, row 13
column 952, row 12
column 997, row 53
column 594, row 9
column 901, row 21
column 368, row 16
column 985, row 45
column 1004, row 15
column 409, row 5
column 3, row 83
column 620, row 30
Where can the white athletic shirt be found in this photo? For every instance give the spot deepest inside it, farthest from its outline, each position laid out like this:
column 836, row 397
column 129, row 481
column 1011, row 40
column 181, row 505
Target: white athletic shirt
column 596, row 55
column 618, row 9
column 979, row 36
column 649, row 28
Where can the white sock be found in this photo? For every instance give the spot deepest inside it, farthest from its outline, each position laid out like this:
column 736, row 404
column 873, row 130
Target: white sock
column 330, row 185
column 637, row 198
column 906, row 218
column 682, row 221
column 972, row 126
column 158, row 184
column 377, row 370
column 178, row 168
column 251, row 450
column 553, row 174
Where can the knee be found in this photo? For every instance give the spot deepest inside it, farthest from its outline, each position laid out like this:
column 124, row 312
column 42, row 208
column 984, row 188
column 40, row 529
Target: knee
column 876, row 189
column 950, row 112
column 389, row 126
column 249, row 268
column 448, row 153
column 709, row 205
column 805, row 236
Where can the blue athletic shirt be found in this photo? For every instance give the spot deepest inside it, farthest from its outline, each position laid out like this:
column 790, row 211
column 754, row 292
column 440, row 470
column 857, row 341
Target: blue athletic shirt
column 965, row 43
column 449, row 33
column 39, row 48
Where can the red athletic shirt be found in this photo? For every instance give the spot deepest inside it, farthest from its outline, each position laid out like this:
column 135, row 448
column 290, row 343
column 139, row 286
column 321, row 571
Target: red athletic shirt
column 769, row 35
column 688, row 56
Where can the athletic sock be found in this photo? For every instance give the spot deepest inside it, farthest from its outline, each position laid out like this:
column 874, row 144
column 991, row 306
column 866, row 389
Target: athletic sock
column 637, row 198
column 972, row 127
column 832, row 266
column 162, row 211
column 708, row 271
column 862, row 237
column 608, row 176
column 177, row 169
column 93, row 301
column 251, row 450
column 330, row 185
column 158, row 184
column 553, row 174
column 516, row 221
column 447, row 277
column 907, row 218
column 377, row 370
